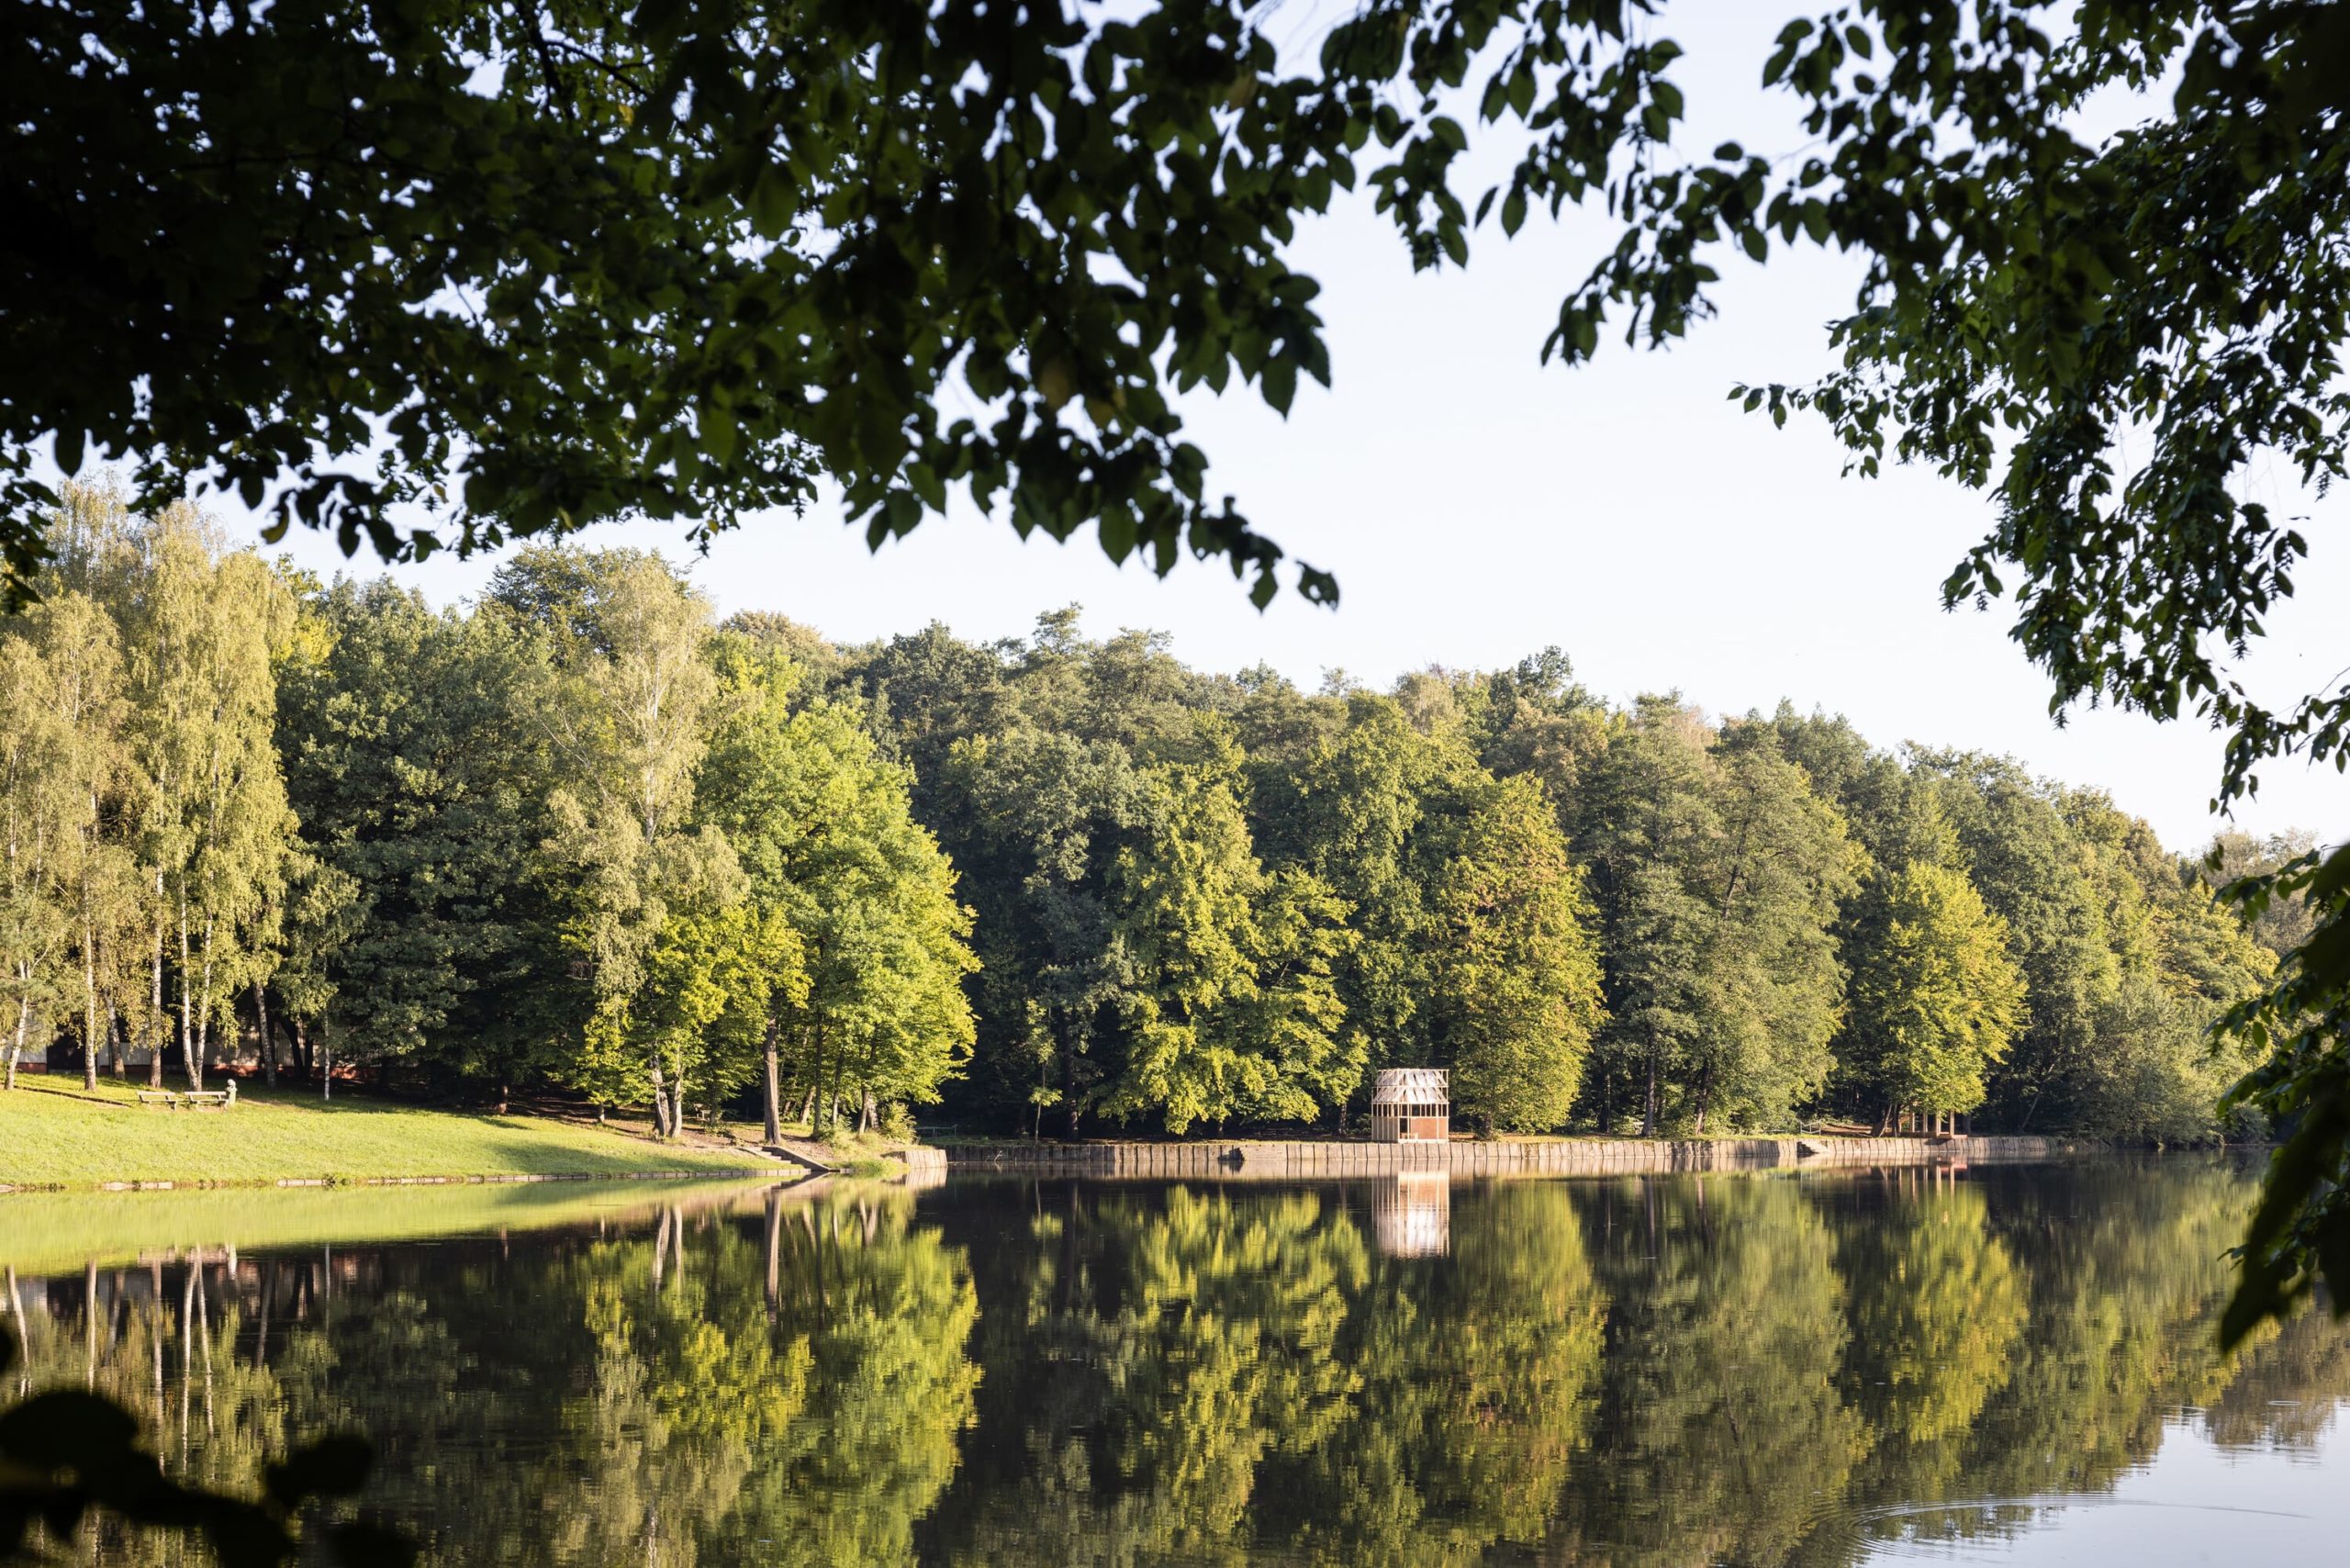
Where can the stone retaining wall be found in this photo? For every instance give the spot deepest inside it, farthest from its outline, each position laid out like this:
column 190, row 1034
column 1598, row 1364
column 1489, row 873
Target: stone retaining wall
column 1589, row 1157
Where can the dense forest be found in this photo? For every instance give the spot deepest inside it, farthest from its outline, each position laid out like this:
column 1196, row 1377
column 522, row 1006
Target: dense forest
column 580, row 834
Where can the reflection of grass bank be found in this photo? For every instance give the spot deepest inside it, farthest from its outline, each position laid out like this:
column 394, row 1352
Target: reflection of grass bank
column 44, row 1233
column 52, row 1134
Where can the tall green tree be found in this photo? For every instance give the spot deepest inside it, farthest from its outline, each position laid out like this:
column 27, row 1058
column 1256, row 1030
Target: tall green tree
column 420, row 750
column 214, row 826
column 634, row 643
column 1773, row 988
column 1229, row 1013
column 2022, row 857
column 1514, row 991
column 35, row 821
column 1036, row 824
column 1350, row 814
column 96, row 877
column 1935, row 997
column 1720, row 873
column 1644, row 824
column 873, row 999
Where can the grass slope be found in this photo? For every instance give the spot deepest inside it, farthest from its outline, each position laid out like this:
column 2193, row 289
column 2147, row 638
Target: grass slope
column 52, row 1133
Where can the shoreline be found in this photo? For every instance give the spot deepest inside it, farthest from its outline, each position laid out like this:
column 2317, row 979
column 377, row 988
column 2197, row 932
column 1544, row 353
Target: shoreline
column 1233, row 1158
column 1278, row 1160
column 267, row 1184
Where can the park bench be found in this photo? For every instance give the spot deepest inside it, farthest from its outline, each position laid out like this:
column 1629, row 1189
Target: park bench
column 203, row 1099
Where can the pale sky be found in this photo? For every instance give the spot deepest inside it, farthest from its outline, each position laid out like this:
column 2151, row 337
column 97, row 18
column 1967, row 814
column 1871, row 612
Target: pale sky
column 1477, row 506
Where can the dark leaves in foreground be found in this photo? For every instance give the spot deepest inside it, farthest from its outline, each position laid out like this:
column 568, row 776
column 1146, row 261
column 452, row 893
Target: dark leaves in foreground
column 67, row 1453
column 2300, row 1233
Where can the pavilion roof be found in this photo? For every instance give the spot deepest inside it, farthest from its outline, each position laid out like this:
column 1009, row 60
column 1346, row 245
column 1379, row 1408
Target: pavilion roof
column 1408, row 1086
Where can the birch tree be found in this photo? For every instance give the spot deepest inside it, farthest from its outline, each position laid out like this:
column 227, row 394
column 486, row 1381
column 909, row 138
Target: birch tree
column 220, row 826
column 95, row 877
column 636, row 647
column 35, row 812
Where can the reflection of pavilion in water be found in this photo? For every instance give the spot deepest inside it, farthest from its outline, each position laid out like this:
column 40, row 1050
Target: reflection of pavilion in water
column 1412, row 1214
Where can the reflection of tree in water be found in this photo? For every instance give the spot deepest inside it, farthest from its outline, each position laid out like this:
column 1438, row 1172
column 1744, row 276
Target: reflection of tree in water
column 1193, row 1377
column 791, row 1389
column 1722, row 1433
column 661, row 1396
column 1736, row 1369
column 1473, row 1395
column 2019, row 1336
column 1152, row 1349
column 2125, row 1276
column 225, row 1360
column 2285, row 1389
column 1936, row 1307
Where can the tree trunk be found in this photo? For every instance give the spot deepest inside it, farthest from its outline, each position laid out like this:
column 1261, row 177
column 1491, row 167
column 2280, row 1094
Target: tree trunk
column 1069, row 1073
column 1648, row 1115
column 807, row 1108
column 817, row 1107
column 16, row 1043
column 204, row 1008
column 160, row 1019
column 832, row 1094
column 188, row 1061
column 773, row 1099
column 268, row 1040
column 89, row 1009
column 865, row 1115
column 117, row 1042
column 660, row 1103
column 326, row 1058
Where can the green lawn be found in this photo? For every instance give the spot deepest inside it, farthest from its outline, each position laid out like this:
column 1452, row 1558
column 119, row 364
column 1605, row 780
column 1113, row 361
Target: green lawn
column 52, row 1134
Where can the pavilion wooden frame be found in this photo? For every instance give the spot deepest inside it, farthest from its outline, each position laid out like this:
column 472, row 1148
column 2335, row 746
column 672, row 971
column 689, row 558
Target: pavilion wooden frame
column 1411, row 1104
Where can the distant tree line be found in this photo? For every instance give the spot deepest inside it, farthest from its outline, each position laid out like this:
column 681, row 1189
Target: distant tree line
column 1204, row 898
column 581, row 835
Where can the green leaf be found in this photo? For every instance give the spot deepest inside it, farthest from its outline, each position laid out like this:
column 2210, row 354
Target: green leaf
column 1279, row 382
column 903, row 510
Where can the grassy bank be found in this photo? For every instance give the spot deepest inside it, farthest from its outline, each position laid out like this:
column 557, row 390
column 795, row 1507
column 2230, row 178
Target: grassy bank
column 52, row 1134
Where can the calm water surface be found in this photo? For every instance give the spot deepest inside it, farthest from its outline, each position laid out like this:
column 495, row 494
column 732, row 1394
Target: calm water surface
column 2006, row 1364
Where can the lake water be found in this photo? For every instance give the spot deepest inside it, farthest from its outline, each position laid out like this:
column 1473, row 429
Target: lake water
column 2008, row 1365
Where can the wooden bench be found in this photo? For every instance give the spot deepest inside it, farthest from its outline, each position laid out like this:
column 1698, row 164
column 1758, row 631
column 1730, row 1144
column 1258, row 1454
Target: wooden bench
column 194, row 1100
